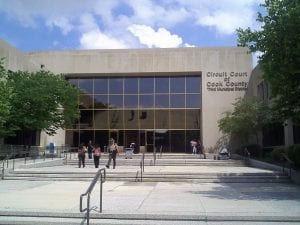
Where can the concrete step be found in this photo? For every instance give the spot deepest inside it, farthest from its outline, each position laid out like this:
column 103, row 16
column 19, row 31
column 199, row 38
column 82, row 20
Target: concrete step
column 154, row 177
column 46, row 218
column 166, row 162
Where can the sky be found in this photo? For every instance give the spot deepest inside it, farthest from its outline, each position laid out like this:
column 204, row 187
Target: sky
column 38, row 25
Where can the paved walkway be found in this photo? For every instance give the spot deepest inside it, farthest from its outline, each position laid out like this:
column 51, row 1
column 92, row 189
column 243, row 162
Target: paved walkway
column 207, row 201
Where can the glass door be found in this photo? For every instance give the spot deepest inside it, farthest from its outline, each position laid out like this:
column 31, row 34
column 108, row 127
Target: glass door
column 150, row 140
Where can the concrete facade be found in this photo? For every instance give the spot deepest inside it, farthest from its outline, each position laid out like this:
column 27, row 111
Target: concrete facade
column 225, row 72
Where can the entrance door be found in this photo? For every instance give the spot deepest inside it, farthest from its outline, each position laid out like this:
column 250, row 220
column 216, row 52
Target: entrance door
column 150, row 140
column 115, row 135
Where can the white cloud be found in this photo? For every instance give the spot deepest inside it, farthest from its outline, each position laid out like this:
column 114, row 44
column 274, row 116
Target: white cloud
column 161, row 38
column 63, row 23
column 95, row 39
column 106, row 18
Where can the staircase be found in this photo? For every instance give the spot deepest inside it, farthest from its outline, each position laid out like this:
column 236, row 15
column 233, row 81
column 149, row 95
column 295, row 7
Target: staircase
column 169, row 168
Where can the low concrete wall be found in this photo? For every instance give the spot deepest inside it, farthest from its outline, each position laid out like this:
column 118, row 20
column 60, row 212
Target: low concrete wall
column 295, row 175
column 38, row 163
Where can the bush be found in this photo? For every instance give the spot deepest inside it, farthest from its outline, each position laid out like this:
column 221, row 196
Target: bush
column 276, row 154
column 294, row 154
column 253, row 149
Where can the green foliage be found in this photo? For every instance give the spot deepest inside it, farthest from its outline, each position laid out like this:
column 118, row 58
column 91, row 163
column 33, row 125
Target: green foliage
column 276, row 154
column 5, row 102
column 248, row 117
column 35, row 101
column 279, row 42
column 42, row 101
column 294, row 154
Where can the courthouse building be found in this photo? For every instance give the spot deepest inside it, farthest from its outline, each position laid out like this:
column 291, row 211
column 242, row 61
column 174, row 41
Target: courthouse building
column 152, row 97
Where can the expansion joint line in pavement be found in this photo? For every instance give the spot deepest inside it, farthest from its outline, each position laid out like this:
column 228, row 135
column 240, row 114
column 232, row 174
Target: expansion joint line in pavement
column 150, row 192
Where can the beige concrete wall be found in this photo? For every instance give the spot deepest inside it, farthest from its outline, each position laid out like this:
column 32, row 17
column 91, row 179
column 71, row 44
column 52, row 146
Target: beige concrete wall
column 222, row 69
column 14, row 60
column 174, row 61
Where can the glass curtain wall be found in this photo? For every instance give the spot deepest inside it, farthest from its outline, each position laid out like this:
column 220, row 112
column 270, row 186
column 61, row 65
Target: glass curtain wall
column 150, row 111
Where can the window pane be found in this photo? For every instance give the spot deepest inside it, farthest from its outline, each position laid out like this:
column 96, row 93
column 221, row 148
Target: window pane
column 100, row 101
column 162, row 101
column 146, row 101
column 74, row 82
column 193, row 120
column 101, row 86
column 146, row 118
column 116, row 101
column 177, row 84
column 178, row 141
column 85, row 101
column 177, row 119
column 193, row 84
column 86, row 135
column 162, row 85
column 116, row 86
column 162, row 119
column 86, row 85
column 177, row 101
column 86, row 119
column 101, row 138
column 131, row 119
column 72, row 138
column 146, row 85
column 115, row 119
column 131, row 85
column 193, row 101
column 130, row 101
column 101, row 119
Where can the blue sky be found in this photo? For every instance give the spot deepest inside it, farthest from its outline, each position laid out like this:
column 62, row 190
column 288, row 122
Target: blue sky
column 31, row 25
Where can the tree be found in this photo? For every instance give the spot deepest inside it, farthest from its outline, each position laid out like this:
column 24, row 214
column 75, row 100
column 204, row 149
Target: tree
column 42, row 101
column 248, row 117
column 279, row 43
column 5, row 105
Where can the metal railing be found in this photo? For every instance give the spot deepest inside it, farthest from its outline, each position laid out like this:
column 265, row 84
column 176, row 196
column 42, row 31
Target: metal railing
column 288, row 163
column 12, row 154
column 142, row 169
column 154, row 156
column 102, row 175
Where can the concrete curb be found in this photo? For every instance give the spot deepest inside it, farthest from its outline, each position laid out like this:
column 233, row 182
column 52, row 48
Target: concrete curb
column 216, row 216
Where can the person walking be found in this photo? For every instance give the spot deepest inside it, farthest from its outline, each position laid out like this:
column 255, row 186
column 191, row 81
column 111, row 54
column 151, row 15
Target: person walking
column 112, row 151
column 81, row 155
column 194, row 146
column 97, row 155
column 90, row 148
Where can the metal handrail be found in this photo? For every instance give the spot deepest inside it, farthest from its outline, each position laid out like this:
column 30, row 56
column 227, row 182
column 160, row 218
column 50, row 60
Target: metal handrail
column 142, row 168
column 102, row 175
column 289, row 162
column 160, row 151
column 154, row 156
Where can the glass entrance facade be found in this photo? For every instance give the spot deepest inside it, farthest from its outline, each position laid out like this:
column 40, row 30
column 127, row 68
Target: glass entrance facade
column 150, row 111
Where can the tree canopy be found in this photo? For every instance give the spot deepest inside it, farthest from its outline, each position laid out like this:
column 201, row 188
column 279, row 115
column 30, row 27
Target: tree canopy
column 279, row 44
column 5, row 102
column 39, row 101
column 247, row 118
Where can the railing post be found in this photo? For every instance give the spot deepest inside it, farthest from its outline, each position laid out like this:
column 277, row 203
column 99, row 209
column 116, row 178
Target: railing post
column 143, row 162
column 141, row 166
column 101, row 181
column 88, row 210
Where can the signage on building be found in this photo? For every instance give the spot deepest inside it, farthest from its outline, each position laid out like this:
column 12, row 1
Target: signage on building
column 226, row 81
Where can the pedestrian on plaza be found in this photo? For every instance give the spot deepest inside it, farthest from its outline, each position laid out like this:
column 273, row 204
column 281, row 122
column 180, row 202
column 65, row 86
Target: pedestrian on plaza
column 194, row 146
column 81, row 155
column 90, row 148
column 112, row 153
column 97, row 155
